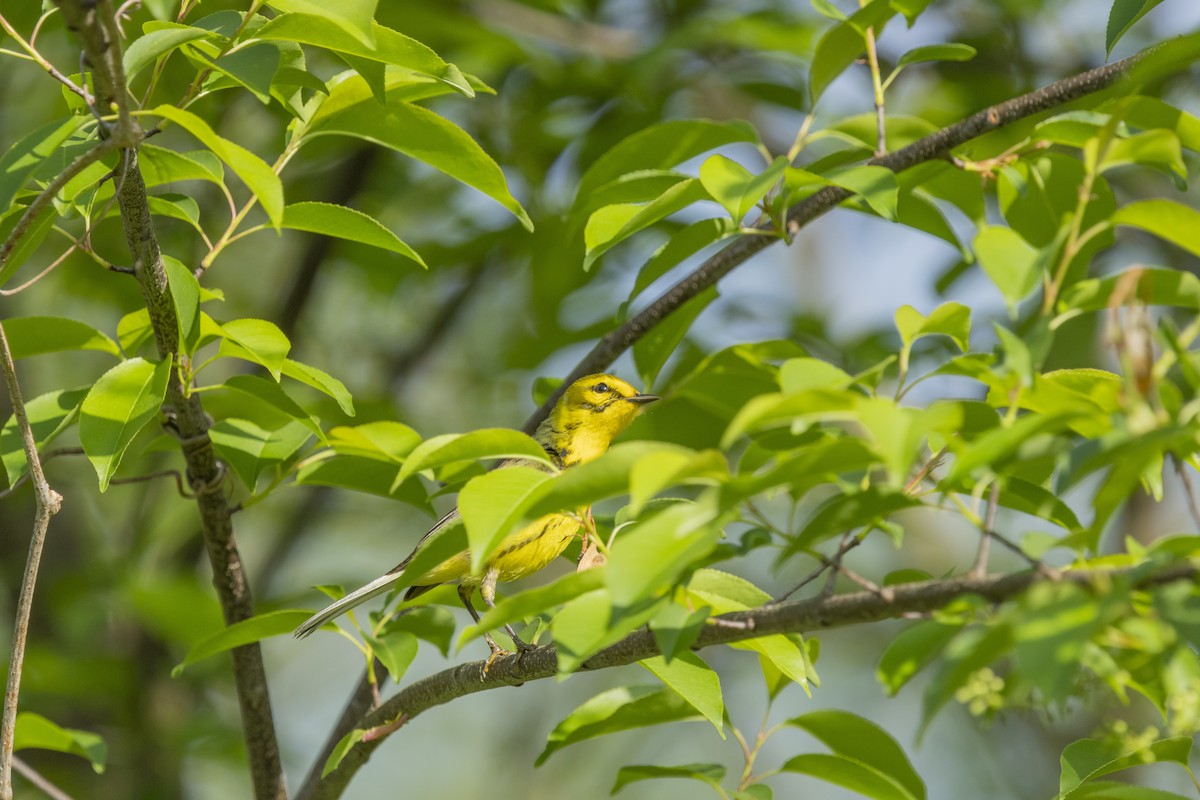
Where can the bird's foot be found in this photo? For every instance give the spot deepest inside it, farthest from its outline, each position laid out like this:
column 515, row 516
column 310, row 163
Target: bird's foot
column 522, row 646
column 497, row 652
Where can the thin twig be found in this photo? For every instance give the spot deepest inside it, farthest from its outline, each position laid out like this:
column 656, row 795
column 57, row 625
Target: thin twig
column 81, row 162
column 48, row 455
column 37, row 779
column 48, row 503
column 847, row 546
column 989, row 527
column 41, row 60
column 165, row 473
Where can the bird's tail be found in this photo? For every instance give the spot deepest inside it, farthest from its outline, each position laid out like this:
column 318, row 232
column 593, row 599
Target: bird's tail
column 355, row 598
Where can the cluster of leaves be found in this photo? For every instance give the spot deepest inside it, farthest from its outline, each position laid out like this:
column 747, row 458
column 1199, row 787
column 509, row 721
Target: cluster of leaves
column 829, row 450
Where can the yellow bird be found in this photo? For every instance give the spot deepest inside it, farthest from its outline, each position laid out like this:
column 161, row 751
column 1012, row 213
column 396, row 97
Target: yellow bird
column 584, row 422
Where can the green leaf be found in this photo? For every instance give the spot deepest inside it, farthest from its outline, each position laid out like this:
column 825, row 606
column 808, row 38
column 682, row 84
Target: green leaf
column 149, row 47
column 1121, row 17
column 122, row 402
column 421, row 134
column 256, row 340
column 450, row 448
column 661, row 146
column 391, row 47
column 1155, row 286
column 345, row 223
column 949, row 319
column 878, row 186
column 33, row 336
column 651, row 554
column 656, row 471
column 694, row 681
column 522, row 605
column 247, row 631
column 616, row 710
column 706, row 773
column 1087, row 759
column 650, row 353
column 685, row 243
column 160, row 166
column 911, row 651
column 857, row 776
column 35, row 731
column 611, row 225
column 396, row 649
column 849, row 512
column 1165, row 219
column 251, row 66
column 384, row 440
column 254, row 172
column 355, row 17
column 863, row 741
column 491, row 504
column 676, row 628
column 969, row 651
column 49, row 415
column 321, row 381
column 274, row 395
column 250, row 449
column 736, row 188
column 951, row 51
column 27, row 154
column 1112, row 790
column 344, row 746
column 1011, row 262
column 433, row 624
column 36, row 233
column 842, row 44
column 1053, row 625
column 185, row 292
column 1158, row 149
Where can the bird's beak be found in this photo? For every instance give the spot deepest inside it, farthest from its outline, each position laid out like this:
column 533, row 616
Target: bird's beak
column 643, row 399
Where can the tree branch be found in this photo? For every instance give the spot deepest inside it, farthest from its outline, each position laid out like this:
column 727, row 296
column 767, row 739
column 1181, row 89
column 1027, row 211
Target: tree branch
column 791, row 617
column 95, row 25
column 928, row 148
column 48, row 503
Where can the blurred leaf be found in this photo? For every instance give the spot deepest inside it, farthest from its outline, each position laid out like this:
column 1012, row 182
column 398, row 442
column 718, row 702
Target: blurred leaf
column 35, row 731
column 618, row 710
column 858, row 739
column 949, row 319
column 34, row 336
column 24, row 157
column 651, row 352
column 1012, row 264
column 254, row 172
column 345, row 223
column 937, row 52
column 857, row 776
column 849, row 512
column 844, row 43
column 247, row 631
column 1156, row 286
column 122, row 402
column 49, row 415
column 706, row 773
column 1087, row 759
column 1166, row 219
column 694, row 681
column 969, row 651
column 1053, row 623
column 683, row 244
column 913, row 649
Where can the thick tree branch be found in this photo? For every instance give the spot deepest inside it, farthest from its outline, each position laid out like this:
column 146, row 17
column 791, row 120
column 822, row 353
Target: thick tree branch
column 791, row 617
column 725, row 261
column 95, row 24
column 48, row 503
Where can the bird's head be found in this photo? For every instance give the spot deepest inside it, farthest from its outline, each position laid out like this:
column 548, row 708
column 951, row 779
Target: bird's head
column 592, row 412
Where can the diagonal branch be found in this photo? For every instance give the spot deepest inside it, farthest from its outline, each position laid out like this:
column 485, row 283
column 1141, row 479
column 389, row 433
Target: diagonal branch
column 791, row 617
column 93, row 21
column 933, row 146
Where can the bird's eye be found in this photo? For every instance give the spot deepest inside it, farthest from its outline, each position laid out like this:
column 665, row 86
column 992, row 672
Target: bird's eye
column 600, row 388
